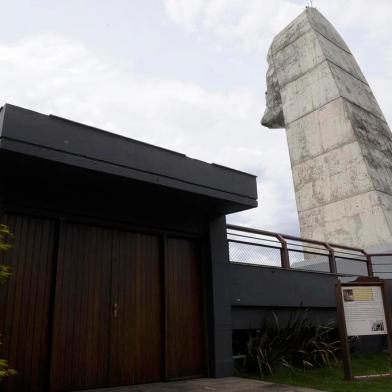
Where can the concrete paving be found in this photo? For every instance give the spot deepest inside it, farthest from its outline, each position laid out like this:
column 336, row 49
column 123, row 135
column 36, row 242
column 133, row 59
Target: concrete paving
column 228, row 384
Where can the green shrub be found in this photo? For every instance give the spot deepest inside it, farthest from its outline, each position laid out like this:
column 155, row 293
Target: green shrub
column 296, row 344
column 4, row 245
column 5, row 370
column 5, row 233
column 5, row 272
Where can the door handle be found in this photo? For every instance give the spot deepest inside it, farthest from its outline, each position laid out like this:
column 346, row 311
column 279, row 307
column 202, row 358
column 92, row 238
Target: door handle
column 115, row 310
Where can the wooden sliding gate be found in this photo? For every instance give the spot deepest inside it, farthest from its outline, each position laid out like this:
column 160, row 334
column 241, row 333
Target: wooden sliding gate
column 90, row 307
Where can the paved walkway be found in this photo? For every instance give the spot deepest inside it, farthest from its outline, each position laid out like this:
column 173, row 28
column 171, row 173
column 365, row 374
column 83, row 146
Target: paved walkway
column 228, row 384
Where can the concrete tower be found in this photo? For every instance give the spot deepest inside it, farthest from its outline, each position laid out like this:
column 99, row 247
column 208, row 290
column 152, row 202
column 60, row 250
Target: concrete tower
column 339, row 142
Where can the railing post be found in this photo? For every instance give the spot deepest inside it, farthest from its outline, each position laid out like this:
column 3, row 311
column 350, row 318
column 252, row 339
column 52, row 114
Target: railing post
column 284, row 253
column 369, row 264
column 331, row 259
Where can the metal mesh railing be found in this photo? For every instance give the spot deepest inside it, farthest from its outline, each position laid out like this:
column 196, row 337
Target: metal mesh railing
column 309, row 262
column 269, row 249
column 382, row 265
column 347, row 266
column 251, row 253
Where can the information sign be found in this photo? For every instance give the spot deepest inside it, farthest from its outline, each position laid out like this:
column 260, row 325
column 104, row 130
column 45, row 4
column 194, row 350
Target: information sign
column 363, row 310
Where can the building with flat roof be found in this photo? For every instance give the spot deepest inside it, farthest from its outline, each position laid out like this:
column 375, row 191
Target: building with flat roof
column 117, row 257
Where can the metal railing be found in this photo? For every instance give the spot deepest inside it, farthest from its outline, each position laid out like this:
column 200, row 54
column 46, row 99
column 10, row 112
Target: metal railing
column 382, row 264
column 266, row 248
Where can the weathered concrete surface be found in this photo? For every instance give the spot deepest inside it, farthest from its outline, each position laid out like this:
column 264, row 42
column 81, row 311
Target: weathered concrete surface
column 339, row 142
column 228, row 384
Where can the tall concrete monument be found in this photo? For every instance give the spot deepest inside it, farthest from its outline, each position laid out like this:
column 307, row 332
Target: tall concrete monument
column 339, row 142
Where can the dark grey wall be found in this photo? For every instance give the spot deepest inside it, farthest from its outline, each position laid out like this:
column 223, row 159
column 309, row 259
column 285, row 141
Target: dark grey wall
column 252, row 317
column 242, row 294
column 255, row 290
column 274, row 287
column 221, row 298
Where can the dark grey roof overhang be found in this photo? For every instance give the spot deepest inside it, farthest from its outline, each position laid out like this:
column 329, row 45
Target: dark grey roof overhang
column 60, row 140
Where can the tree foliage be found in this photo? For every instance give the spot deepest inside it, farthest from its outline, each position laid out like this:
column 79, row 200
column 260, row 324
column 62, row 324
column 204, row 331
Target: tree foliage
column 4, row 245
column 5, row 273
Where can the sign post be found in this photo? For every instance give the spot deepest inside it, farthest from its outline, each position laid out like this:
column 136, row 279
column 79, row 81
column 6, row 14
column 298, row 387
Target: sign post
column 363, row 309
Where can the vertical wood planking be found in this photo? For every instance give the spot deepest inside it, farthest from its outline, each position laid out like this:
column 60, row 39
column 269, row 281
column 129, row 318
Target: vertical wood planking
column 136, row 331
column 25, row 301
column 184, row 310
column 147, row 293
column 81, row 318
column 97, row 267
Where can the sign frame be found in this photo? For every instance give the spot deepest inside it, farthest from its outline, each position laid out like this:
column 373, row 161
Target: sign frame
column 361, row 282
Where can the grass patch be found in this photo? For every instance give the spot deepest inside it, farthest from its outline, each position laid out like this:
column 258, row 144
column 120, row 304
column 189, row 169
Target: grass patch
column 331, row 379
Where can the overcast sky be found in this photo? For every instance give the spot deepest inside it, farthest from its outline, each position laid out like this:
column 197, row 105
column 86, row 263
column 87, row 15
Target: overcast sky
column 187, row 75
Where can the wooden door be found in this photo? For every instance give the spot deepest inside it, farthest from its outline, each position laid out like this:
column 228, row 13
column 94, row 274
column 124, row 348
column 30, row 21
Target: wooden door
column 136, row 338
column 25, row 301
column 107, row 319
column 80, row 349
column 103, row 306
column 185, row 354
